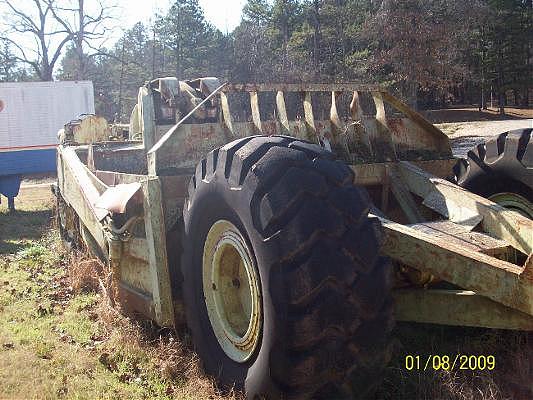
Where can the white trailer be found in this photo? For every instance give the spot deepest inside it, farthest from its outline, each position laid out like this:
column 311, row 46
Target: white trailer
column 31, row 113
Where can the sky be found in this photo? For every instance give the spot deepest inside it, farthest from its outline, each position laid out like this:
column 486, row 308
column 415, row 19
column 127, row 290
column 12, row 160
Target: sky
column 224, row 14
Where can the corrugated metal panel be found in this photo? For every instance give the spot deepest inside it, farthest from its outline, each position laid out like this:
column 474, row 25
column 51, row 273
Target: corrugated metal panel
column 34, row 111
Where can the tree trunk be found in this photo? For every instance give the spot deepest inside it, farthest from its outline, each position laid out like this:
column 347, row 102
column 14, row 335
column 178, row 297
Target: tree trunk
column 79, row 41
column 501, row 91
column 413, row 95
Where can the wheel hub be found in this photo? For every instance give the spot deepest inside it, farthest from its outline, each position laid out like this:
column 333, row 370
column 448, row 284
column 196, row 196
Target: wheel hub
column 231, row 291
column 514, row 202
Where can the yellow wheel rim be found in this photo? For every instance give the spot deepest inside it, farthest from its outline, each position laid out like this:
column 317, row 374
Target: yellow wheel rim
column 231, row 291
column 514, row 202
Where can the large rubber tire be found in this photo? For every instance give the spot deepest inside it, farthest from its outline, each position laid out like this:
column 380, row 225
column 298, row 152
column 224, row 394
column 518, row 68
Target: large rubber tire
column 327, row 309
column 503, row 164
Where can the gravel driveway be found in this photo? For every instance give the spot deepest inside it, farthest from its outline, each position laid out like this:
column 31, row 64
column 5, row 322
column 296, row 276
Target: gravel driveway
column 466, row 135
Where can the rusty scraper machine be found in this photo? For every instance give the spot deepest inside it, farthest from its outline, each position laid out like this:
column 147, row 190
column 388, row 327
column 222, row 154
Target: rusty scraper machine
column 285, row 226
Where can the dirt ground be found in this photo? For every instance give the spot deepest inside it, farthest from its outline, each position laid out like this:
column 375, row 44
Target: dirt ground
column 466, row 135
column 469, row 114
column 59, row 338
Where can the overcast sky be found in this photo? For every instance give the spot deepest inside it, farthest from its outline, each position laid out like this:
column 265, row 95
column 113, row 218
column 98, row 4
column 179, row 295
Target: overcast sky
column 224, row 14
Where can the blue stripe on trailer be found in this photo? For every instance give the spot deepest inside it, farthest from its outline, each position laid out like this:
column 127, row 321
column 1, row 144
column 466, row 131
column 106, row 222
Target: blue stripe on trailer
column 27, row 162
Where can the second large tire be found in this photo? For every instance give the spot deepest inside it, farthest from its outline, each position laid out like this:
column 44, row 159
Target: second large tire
column 325, row 305
column 501, row 169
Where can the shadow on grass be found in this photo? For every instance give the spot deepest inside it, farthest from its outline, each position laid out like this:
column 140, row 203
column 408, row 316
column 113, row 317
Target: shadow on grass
column 20, row 226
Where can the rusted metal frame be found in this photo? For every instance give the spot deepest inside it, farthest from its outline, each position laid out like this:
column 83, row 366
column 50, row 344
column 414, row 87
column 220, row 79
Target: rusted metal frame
column 91, row 175
column 498, row 280
column 374, row 173
column 299, row 87
column 356, row 112
column 309, row 118
column 147, row 117
column 171, row 132
column 457, row 307
column 189, row 145
column 282, row 113
column 381, row 139
column 442, row 139
column 133, row 300
column 404, row 197
column 174, row 189
column 256, row 114
column 227, row 118
column 475, row 241
column 456, row 204
column 82, row 195
column 112, row 178
column 157, row 247
column 137, row 248
column 77, row 189
column 337, row 125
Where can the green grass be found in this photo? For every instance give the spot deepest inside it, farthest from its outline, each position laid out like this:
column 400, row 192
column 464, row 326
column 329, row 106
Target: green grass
column 510, row 379
column 56, row 343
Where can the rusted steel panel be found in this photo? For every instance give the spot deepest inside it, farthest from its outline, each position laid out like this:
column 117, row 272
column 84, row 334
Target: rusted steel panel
column 134, row 301
column 337, row 126
column 187, row 146
column 78, row 191
column 137, row 248
column 403, row 196
column 498, row 280
column 282, row 113
column 299, row 87
column 226, row 113
column 381, row 137
column 456, row 204
column 157, row 250
column 312, row 134
column 442, row 143
column 88, row 129
column 174, row 191
column 146, row 113
column 256, row 115
column 135, row 272
column 111, row 178
column 412, row 142
column 119, row 157
column 475, row 241
column 457, row 307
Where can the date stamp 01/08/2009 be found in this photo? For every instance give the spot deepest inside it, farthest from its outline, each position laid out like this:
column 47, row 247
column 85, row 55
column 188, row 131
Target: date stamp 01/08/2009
column 437, row 362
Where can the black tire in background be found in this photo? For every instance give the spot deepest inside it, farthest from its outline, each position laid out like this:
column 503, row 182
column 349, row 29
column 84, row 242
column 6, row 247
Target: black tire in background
column 326, row 304
column 503, row 164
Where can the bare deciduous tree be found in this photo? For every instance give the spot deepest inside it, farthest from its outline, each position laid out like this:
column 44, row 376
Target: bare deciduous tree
column 40, row 29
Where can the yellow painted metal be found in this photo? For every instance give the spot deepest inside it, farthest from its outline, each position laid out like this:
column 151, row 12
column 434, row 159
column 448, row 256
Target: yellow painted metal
column 488, row 276
column 462, row 206
column 232, row 291
column 457, row 307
